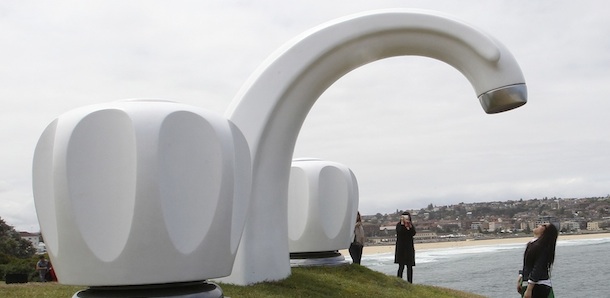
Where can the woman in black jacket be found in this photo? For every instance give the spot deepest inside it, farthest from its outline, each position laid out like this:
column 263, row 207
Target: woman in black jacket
column 404, row 254
column 537, row 262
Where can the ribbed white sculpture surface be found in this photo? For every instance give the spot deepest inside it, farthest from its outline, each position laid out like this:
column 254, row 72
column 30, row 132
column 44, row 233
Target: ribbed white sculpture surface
column 141, row 192
column 322, row 206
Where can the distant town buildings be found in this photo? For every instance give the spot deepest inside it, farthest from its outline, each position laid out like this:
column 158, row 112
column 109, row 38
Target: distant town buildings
column 495, row 219
column 34, row 238
column 593, row 226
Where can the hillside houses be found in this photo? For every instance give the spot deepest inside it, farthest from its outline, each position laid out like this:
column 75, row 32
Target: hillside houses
column 494, row 219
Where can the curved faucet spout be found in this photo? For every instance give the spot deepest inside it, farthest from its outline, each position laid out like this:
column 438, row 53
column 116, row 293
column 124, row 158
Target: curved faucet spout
column 272, row 105
column 503, row 99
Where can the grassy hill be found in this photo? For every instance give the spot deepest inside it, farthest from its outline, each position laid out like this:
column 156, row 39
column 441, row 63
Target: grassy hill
column 336, row 281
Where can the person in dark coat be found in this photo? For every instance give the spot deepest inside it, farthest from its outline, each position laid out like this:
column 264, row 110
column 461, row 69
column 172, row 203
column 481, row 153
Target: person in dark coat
column 404, row 254
column 537, row 263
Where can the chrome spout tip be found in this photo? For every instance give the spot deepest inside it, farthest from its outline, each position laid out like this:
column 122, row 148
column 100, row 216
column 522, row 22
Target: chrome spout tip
column 504, row 99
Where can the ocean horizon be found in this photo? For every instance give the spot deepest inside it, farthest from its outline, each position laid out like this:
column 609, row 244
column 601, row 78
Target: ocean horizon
column 580, row 268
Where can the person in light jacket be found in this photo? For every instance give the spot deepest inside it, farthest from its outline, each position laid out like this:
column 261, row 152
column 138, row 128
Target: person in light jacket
column 537, row 263
column 404, row 254
column 355, row 249
column 42, row 266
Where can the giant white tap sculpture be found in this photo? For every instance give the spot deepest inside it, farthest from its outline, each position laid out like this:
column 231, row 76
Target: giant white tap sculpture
column 176, row 180
column 273, row 104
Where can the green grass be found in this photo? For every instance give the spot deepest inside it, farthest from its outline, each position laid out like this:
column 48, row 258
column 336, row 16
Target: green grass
column 37, row 289
column 339, row 281
column 335, row 281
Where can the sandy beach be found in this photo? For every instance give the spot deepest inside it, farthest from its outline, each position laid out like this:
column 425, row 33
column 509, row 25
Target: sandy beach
column 370, row 250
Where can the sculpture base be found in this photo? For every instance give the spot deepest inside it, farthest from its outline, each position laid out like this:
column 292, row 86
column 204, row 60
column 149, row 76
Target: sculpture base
column 201, row 289
column 319, row 258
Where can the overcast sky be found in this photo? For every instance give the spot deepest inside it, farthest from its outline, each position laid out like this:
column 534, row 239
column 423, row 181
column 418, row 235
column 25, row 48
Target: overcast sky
column 410, row 128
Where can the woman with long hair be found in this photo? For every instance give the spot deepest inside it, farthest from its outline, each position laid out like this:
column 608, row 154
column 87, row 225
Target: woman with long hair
column 537, row 263
column 355, row 249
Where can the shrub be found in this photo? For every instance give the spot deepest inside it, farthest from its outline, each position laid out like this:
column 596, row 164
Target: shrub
column 18, row 266
column 4, row 258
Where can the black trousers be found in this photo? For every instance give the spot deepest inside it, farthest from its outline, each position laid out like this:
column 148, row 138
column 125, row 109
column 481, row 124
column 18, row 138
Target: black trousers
column 539, row 291
column 401, row 269
column 355, row 251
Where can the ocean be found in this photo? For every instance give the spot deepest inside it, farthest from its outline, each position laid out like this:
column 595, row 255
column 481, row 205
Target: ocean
column 581, row 269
